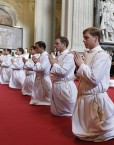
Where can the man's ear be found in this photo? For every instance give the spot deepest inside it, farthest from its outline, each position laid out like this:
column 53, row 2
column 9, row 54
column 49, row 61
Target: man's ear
column 64, row 44
column 96, row 38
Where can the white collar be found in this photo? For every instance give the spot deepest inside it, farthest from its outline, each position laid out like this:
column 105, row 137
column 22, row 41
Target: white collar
column 98, row 48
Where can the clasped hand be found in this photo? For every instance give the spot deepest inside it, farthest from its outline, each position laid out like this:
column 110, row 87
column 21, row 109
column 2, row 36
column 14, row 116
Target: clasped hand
column 52, row 59
column 78, row 59
column 35, row 60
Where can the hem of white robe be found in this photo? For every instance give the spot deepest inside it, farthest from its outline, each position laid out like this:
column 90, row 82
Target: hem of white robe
column 96, row 140
column 26, row 94
column 63, row 115
column 4, row 83
column 13, row 87
column 111, row 83
column 36, row 102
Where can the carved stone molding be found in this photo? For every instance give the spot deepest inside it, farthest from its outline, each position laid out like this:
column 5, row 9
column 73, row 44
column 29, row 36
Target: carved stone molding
column 5, row 18
column 16, row 7
column 104, row 19
column 32, row 5
column 9, row 9
column 19, row 5
column 107, row 46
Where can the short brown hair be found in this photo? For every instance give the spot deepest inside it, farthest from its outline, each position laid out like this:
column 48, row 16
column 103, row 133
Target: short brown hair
column 41, row 44
column 94, row 32
column 63, row 40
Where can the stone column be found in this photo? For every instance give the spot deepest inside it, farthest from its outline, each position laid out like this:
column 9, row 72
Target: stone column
column 97, row 6
column 44, row 22
column 76, row 16
column 67, row 20
column 28, row 25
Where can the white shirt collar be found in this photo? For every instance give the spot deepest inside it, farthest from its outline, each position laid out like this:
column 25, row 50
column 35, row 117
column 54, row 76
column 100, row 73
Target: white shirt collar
column 64, row 52
column 44, row 53
column 97, row 48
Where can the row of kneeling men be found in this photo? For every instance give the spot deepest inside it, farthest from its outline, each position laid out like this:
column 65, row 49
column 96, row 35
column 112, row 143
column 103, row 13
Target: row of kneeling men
column 92, row 111
column 34, row 77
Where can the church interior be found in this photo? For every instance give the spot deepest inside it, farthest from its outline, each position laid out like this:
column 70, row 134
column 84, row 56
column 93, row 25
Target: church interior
column 45, row 20
column 23, row 23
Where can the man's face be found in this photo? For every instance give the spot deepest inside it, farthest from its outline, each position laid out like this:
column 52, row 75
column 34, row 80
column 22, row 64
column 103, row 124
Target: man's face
column 38, row 49
column 17, row 52
column 32, row 51
column 58, row 45
column 89, row 40
column 6, row 52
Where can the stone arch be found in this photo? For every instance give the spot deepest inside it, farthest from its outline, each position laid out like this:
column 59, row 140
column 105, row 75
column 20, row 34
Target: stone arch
column 9, row 11
column 5, row 18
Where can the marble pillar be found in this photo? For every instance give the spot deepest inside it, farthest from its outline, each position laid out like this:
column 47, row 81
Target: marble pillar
column 97, row 6
column 28, row 25
column 76, row 16
column 67, row 20
column 44, row 22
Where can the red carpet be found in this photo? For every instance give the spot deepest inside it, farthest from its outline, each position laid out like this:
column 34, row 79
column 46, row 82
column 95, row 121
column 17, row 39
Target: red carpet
column 22, row 124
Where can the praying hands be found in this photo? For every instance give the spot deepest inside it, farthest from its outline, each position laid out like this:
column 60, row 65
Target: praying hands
column 35, row 60
column 78, row 59
column 52, row 59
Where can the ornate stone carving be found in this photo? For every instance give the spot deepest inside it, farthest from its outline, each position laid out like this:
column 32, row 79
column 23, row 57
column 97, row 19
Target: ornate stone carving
column 32, row 5
column 5, row 18
column 107, row 20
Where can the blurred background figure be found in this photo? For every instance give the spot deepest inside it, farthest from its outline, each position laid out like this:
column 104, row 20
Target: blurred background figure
column 26, row 53
column 30, row 73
